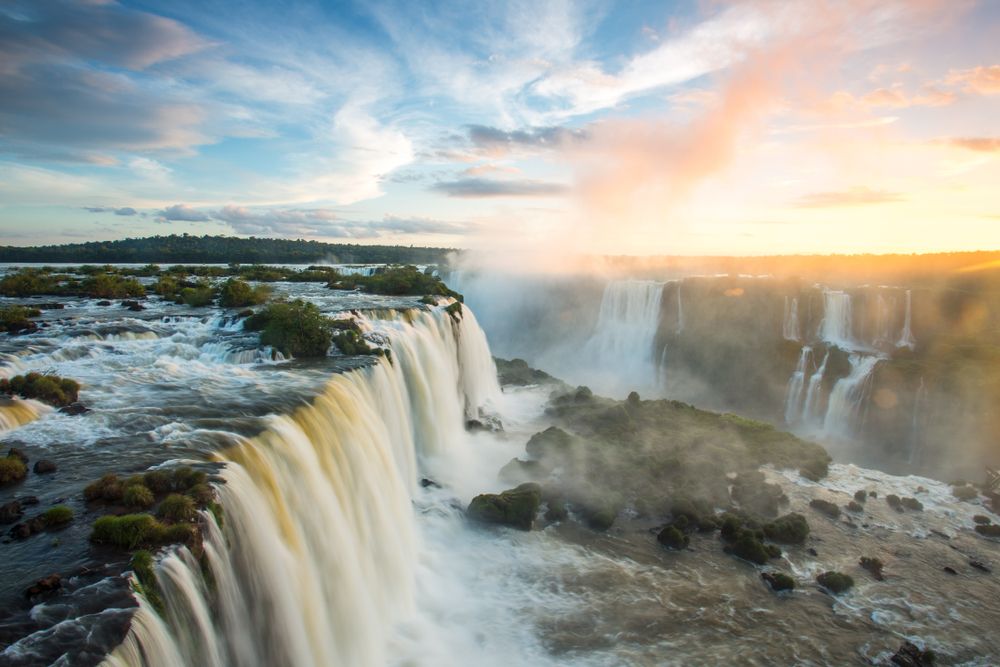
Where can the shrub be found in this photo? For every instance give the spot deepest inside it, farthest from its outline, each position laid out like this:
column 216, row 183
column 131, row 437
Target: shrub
column 176, row 507
column 351, row 343
column 50, row 389
column 138, row 497
column 186, row 477
column 236, row 293
column 16, row 318
column 788, row 529
column 197, row 297
column 29, row 282
column 107, row 488
column 297, row 328
column 142, row 564
column 158, row 481
column 835, row 582
column 139, row 530
column 201, row 494
column 826, row 507
column 167, row 287
column 672, row 538
column 109, row 286
column 57, row 516
column 778, row 581
column 12, row 469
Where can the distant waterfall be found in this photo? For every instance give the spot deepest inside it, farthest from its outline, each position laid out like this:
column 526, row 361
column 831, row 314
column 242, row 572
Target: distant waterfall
column 848, row 397
column 790, row 325
column 680, row 308
column 837, row 324
column 621, row 347
column 906, row 336
column 883, row 322
column 318, row 550
column 794, row 395
column 810, row 408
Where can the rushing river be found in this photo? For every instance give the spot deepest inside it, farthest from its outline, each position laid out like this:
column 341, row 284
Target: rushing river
column 333, row 552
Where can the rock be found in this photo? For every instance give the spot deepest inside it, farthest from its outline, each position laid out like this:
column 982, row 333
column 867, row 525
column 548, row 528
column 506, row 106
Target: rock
column 133, row 305
column 14, row 452
column 921, row 489
column 47, row 585
column 672, row 538
column 429, row 483
column 778, row 581
column 598, row 517
column 949, row 570
column 788, row 529
column 909, row 655
column 517, row 471
column 982, row 519
column 11, row 512
column 552, row 442
column 74, row 409
column 812, row 552
column 557, row 509
column 515, row 507
column 633, row 398
column 835, row 582
column 964, row 492
column 873, row 494
column 979, row 565
column 912, row 504
column 873, row 565
column 860, row 496
column 894, row 502
column 756, row 495
column 826, row 507
column 855, row 506
column 992, row 530
column 103, row 303
column 485, row 422
column 44, row 466
column 28, row 500
column 28, row 528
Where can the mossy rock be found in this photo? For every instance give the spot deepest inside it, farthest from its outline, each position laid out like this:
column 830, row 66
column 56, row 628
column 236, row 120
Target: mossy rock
column 51, row 389
column 143, row 567
column 912, row 504
column 835, row 582
column 12, row 469
column 778, row 581
column 177, row 508
column 673, row 538
column 825, row 507
column 873, row 565
column 517, row 471
column 138, row 497
column 748, row 546
column 551, row 443
column 965, row 492
column 515, row 507
column 894, row 502
column 108, row 488
column 788, row 529
column 56, row 516
column 855, row 506
column 982, row 519
column 860, row 496
column 131, row 531
column 598, row 516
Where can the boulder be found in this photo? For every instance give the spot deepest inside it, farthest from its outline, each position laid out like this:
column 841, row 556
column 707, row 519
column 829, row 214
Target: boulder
column 74, row 409
column 912, row 504
column 873, row 565
column 515, row 507
column 860, row 496
column 517, row 471
column 826, row 507
column 133, row 305
column 910, row 655
column 46, row 585
column 982, row 519
column 778, row 581
column 835, row 582
column 552, row 442
column 11, row 512
column 16, row 453
column 44, row 466
column 991, row 530
column 672, row 538
column 788, row 529
column 855, row 506
column 894, row 502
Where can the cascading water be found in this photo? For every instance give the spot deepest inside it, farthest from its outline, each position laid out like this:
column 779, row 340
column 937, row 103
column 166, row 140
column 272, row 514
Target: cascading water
column 882, row 321
column 621, row 349
column 18, row 412
column 318, row 550
column 848, row 398
column 810, row 407
column 790, row 325
column 794, row 396
column 680, row 309
column 906, row 336
column 916, row 423
column 837, row 324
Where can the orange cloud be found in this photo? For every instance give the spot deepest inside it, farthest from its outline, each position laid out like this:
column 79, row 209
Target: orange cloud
column 981, row 144
column 858, row 196
column 983, row 80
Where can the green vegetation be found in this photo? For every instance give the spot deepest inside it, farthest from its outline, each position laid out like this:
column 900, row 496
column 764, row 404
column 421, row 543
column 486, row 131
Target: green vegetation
column 58, row 515
column 142, row 566
column 350, row 342
column 396, row 281
column 672, row 538
column 50, row 389
column 825, row 507
column 131, row 531
column 835, row 582
column 515, row 507
column 44, row 281
column 788, row 529
column 12, row 469
column 219, row 250
column 198, row 296
column 176, row 507
column 297, row 328
column 107, row 488
column 138, row 497
column 778, row 581
column 17, row 318
column 517, row 372
column 236, row 293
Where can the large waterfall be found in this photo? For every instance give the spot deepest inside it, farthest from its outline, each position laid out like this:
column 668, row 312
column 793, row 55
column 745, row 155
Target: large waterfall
column 621, row 348
column 317, row 552
column 837, row 324
column 906, row 335
column 848, row 398
column 790, row 324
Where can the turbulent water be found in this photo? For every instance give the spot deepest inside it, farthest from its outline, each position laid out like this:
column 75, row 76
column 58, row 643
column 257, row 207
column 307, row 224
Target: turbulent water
column 332, row 552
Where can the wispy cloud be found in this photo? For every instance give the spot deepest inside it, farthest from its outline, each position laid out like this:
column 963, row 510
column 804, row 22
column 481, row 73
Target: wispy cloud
column 476, row 188
column 122, row 210
column 857, row 196
column 982, row 80
column 980, row 144
column 181, row 213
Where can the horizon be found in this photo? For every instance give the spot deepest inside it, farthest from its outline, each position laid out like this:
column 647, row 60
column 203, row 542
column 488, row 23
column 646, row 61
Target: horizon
column 682, row 129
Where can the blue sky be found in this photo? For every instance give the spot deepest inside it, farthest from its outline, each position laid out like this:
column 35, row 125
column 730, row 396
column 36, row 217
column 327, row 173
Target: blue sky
column 636, row 127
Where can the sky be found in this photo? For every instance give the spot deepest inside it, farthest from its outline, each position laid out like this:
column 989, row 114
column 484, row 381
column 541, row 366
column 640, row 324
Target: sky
column 629, row 127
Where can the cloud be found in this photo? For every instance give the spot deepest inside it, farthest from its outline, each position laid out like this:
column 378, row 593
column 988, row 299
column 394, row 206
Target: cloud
column 181, row 213
column 496, row 142
column 857, row 196
column 981, row 144
column 898, row 99
column 124, row 210
column 481, row 188
column 983, row 80
column 322, row 222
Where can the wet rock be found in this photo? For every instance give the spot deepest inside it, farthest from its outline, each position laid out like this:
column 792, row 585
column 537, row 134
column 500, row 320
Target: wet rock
column 556, row 509
column 26, row 529
column 46, row 585
column 133, row 305
column 948, row 570
column 517, row 471
column 855, row 507
column 104, row 303
column 835, row 582
column 991, row 530
column 16, row 453
column 910, row 655
column 673, row 538
column 894, row 502
column 921, row 489
column 486, row 422
column 515, row 507
column 982, row 519
column 873, row 494
column 826, row 507
column 74, row 409
column 778, row 581
column 28, row 500
column 979, row 565
column 429, row 483
column 964, row 491
column 812, row 552
column 552, row 442
column 44, row 466
column 788, row 529
column 860, row 496
column 912, row 504
column 11, row 512
column 874, row 566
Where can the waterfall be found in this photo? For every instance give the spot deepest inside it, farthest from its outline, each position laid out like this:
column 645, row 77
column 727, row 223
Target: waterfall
column 790, row 325
column 18, row 412
column 848, row 397
column 919, row 401
column 680, row 309
column 837, row 324
column 882, row 321
column 810, row 409
column 906, row 336
column 796, row 384
column 621, row 349
column 317, row 553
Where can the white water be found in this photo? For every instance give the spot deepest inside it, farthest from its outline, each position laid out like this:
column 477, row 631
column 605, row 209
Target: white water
column 620, row 353
column 794, row 396
column 837, row 324
column 848, row 398
column 680, row 309
column 906, row 336
column 790, row 324
column 319, row 550
column 810, row 408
